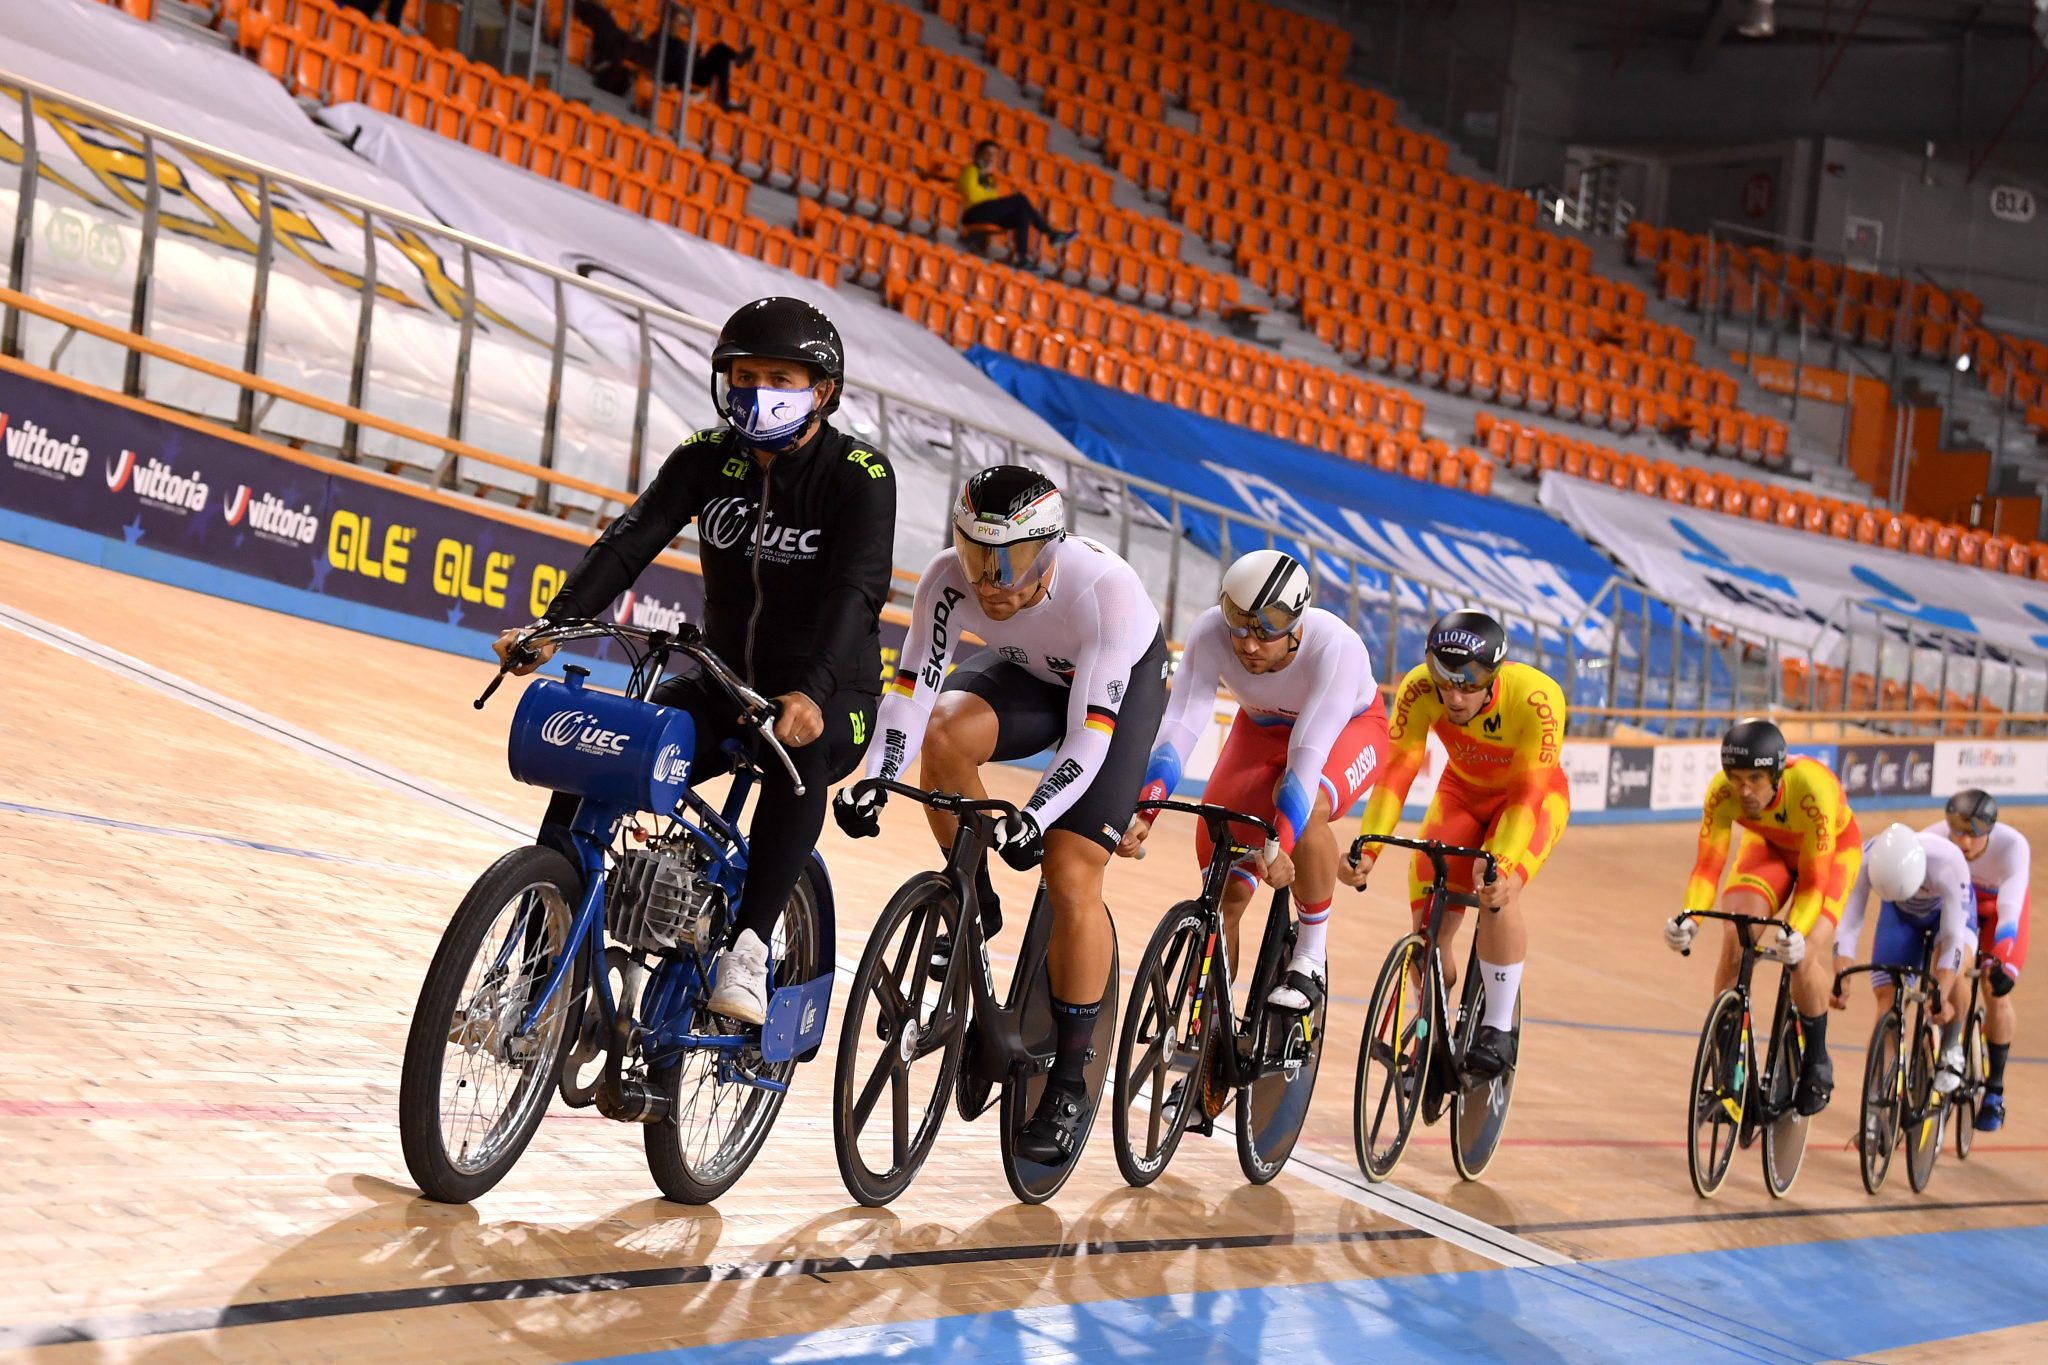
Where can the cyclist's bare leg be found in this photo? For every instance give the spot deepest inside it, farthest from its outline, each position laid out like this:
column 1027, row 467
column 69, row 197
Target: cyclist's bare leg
column 961, row 737
column 1813, row 980
column 1082, row 938
column 1503, row 935
column 1315, row 857
column 2000, row 1021
column 1237, row 894
column 1738, row 900
column 1882, row 996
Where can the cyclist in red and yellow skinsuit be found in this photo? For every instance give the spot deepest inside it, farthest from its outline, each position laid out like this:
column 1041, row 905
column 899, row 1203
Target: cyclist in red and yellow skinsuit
column 1503, row 789
column 1797, row 860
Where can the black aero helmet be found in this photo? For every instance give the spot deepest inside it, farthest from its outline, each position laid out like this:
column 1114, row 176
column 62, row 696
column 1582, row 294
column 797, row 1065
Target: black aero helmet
column 1466, row 649
column 1005, row 517
column 1754, row 743
column 781, row 329
column 1972, row 811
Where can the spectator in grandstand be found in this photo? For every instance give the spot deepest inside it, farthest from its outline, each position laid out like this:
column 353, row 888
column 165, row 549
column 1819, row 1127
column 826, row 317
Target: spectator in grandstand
column 613, row 51
column 1013, row 213
column 712, row 70
column 392, row 10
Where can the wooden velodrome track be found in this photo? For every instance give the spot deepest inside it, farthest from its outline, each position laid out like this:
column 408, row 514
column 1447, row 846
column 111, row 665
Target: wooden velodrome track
column 232, row 838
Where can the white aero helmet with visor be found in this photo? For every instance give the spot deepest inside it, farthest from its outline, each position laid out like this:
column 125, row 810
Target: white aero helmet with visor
column 1264, row 594
column 1896, row 863
column 1006, row 516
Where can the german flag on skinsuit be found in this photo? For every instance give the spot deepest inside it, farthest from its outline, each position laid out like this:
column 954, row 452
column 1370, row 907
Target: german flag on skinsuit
column 1102, row 720
column 903, row 684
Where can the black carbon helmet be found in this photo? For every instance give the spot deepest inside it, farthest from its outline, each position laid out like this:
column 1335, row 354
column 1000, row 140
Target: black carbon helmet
column 1754, row 743
column 781, row 329
column 1465, row 648
column 1972, row 811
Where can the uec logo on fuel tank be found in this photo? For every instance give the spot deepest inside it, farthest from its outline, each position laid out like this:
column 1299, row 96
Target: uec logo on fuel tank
column 578, row 728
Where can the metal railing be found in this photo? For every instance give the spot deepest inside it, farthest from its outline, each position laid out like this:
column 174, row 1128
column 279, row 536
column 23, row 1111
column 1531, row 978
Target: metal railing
column 1626, row 650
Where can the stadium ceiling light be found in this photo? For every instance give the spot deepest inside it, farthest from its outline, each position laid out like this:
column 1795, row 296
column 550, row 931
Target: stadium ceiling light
column 1759, row 19
column 1963, row 363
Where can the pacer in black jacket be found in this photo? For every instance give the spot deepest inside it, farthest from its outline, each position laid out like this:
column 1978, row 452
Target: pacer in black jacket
column 796, row 524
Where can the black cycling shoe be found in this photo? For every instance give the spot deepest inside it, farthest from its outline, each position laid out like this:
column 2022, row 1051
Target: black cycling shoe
column 942, row 946
column 1491, row 1053
column 1816, row 1085
column 1053, row 1134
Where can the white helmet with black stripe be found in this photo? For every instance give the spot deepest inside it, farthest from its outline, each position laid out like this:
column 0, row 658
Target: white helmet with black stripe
column 1264, row 594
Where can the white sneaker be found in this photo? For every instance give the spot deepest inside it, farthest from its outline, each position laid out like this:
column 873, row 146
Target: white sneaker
column 1948, row 1074
column 1289, row 995
column 742, row 991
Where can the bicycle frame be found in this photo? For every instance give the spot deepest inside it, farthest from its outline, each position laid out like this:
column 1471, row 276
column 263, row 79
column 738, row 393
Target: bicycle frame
column 627, row 728
column 1226, row 851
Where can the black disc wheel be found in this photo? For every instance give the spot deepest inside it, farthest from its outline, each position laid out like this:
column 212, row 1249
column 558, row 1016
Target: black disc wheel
column 1033, row 1182
column 1785, row 1134
column 1393, row 1060
column 1286, row 1055
column 1720, row 1093
column 1479, row 1111
column 1924, row 1109
column 477, row 1077
column 898, row 1047
column 1877, row 1132
column 718, row 1115
column 1161, row 1046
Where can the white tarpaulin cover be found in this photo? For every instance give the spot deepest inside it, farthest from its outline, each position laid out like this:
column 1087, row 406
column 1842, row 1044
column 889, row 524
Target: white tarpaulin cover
column 1786, row 583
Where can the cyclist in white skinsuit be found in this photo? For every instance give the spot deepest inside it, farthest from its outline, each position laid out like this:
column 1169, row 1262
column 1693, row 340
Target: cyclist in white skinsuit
column 1075, row 663
column 1922, row 883
column 1308, row 739
column 2001, row 868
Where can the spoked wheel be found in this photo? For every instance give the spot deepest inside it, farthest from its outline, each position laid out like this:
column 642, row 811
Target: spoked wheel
column 1923, row 1137
column 1272, row 1109
column 1479, row 1111
column 1720, row 1092
column 718, row 1118
column 1976, row 1071
column 1393, row 1061
column 583, row 1059
column 898, row 1048
column 1030, row 1181
column 1883, row 1091
column 1785, row 1134
column 1161, row 1045
column 474, row 1086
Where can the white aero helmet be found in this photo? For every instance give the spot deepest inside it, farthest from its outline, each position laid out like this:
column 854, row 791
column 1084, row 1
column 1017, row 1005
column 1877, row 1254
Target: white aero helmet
column 1896, row 863
column 1264, row 594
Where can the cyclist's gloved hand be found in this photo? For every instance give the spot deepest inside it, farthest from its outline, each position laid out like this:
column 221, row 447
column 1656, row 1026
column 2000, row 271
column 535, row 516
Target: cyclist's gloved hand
column 1679, row 931
column 860, row 816
column 1789, row 947
column 1020, row 843
column 1999, row 976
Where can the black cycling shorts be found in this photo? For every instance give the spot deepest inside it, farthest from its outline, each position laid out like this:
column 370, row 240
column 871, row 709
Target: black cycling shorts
column 1031, row 717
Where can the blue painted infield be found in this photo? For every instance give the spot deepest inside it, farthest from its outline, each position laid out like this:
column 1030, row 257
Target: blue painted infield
column 1809, row 1302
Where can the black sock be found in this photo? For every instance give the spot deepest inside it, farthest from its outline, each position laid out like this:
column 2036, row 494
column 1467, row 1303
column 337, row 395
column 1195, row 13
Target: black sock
column 1076, row 1025
column 991, row 908
column 1997, row 1080
column 1816, row 1028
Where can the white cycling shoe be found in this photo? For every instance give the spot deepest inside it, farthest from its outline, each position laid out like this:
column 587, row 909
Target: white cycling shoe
column 742, row 990
column 1948, row 1073
column 1302, row 986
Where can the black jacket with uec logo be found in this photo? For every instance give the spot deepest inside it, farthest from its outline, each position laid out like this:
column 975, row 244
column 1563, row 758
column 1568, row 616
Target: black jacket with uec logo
column 796, row 561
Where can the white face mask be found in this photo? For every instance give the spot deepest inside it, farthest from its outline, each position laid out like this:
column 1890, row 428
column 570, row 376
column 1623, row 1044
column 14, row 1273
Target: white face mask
column 769, row 418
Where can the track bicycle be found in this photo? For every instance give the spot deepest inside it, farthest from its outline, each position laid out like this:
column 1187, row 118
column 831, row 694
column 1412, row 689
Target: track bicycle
column 1900, row 1104
column 1412, row 1057
column 589, row 975
column 898, row 1020
column 1968, row 1096
column 1181, row 1037
column 1734, row 1099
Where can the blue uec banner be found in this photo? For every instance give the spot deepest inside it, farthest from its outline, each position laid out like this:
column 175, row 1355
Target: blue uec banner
column 1509, row 554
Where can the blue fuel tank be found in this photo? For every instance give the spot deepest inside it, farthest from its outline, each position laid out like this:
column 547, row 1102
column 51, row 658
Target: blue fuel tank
column 601, row 746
